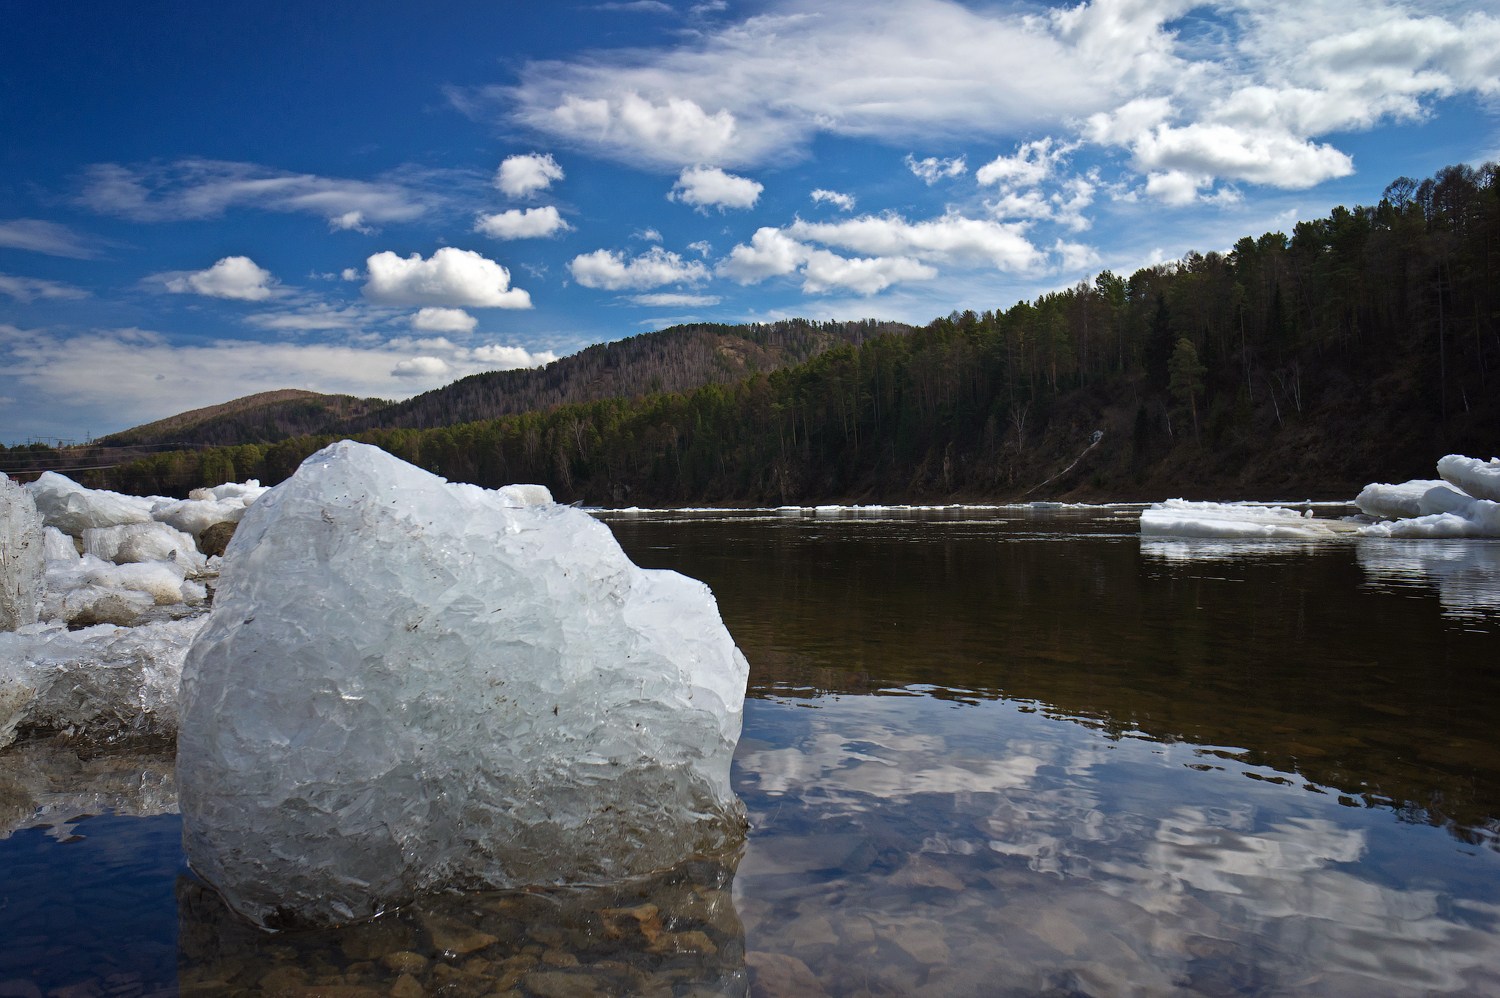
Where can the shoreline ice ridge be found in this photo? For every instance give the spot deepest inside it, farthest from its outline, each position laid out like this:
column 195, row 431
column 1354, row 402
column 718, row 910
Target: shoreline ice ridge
column 1463, row 502
column 110, row 593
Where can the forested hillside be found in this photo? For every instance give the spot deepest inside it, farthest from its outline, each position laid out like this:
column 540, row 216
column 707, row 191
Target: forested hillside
column 676, row 359
column 1360, row 347
column 263, row 418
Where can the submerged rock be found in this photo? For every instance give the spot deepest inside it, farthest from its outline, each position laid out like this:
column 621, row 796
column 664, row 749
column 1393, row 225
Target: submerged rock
column 407, row 685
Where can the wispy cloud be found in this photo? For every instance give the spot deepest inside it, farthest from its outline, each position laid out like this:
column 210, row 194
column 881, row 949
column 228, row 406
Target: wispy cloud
column 951, row 237
column 29, row 289
column 51, row 238
column 203, row 188
column 637, row 6
column 1249, row 92
column 671, row 299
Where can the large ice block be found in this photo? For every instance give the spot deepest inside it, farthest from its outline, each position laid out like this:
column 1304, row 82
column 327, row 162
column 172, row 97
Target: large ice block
column 22, row 556
column 1480, row 479
column 407, row 685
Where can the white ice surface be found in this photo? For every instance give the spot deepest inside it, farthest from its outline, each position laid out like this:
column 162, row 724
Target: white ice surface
column 58, row 546
column 1395, row 501
column 117, row 675
column 1474, row 518
column 71, row 508
column 99, row 684
column 1480, row 479
column 524, row 495
column 144, row 542
column 194, row 516
column 1182, row 518
column 1416, row 509
column 407, row 685
column 22, row 556
column 243, row 492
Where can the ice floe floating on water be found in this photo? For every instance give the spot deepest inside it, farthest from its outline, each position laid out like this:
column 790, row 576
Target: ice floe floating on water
column 1463, row 502
column 407, row 685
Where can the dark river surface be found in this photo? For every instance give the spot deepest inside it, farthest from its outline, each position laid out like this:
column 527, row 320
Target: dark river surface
column 985, row 752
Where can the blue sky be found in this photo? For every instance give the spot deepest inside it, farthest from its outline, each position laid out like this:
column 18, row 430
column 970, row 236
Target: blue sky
column 201, row 201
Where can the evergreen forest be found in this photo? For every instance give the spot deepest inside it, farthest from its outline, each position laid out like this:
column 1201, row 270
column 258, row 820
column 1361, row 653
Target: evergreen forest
column 1359, row 347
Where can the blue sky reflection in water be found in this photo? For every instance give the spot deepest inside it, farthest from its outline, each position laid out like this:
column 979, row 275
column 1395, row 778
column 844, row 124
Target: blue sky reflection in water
column 987, row 752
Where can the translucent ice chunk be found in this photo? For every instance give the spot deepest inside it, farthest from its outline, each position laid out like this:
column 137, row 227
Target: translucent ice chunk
column 22, row 556
column 100, row 684
column 58, row 546
column 245, row 493
column 71, row 508
column 406, row 685
column 144, row 542
column 194, row 516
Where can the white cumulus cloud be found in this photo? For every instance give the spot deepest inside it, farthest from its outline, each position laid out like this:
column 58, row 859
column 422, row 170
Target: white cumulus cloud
column 451, row 277
column 951, row 237
column 674, row 130
column 654, row 268
column 522, row 175
column 772, row 253
column 825, row 271
column 710, row 187
column 421, row 367
column 932, row 169
column 435, row 319
column 1032, row 163
column 843, row 202
column 235, row 277
column 1272, row 157
column 518, row 223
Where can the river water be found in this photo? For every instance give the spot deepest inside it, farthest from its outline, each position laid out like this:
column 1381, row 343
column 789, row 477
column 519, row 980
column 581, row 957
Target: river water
column 986, row 752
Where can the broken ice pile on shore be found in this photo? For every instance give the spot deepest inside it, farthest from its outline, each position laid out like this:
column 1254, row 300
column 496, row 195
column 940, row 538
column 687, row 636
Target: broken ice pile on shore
column 101, row 595
column 407, row 685
column 139, row 557
column 1463, row 502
